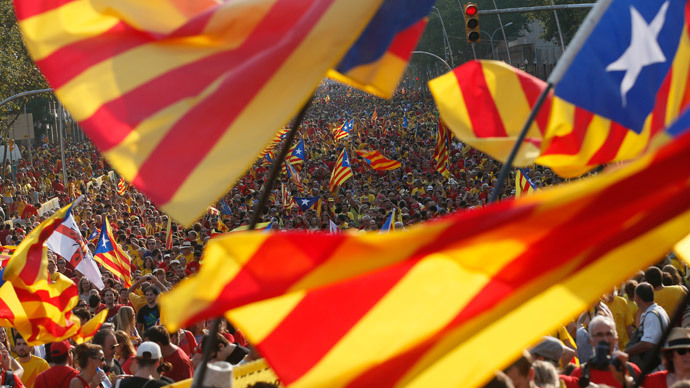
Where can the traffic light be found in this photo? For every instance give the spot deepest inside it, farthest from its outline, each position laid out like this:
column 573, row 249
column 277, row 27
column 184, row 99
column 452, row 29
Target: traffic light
column 472, row 23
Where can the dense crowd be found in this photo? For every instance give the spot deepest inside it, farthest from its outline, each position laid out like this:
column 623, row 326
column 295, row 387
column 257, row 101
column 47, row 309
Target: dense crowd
column 133, row 343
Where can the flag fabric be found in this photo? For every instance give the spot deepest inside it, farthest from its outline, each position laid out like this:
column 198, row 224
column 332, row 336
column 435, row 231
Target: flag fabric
column 112, row 257
column 523, row 183
column 268, row 158
column 309, row 203
column 38, row 307
column 344, row 130
column 149, row 70
column 261, row 226
column 6, row 252
column 404, row 124
column 327, row 99
column 275, row 140
column 221, row 227
column 377, row 61
column 606, row 108
column 389, row 224
column 168, row 235
column 225, row 208
column 374, row 116
column 288, row 201
column 296, row 155
column 268, row 227
column 121, row 186
column 442, row 148
column 68, row 242
column 341, row 172
column 425, row 299
column 293, row 175
column 212, row 211
column 332, row 227
column 94, row 235
column 377, row 161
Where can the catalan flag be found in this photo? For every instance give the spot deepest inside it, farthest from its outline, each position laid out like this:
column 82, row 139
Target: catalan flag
column 6, row 252
column 426, row 299
column 523, row 183
column 297, row 154
column 38, row 307
column 309, row 203
column 389, row 224
column 442, row 149
column 151, row 70
column 112, row 257
column 294, row 176
column 377, row 161
column 168, row 234
column 611, row 101
column 275, row 140
column 344, row 130
column 287, row 200
column 374, row 116
column 121, row 186
column 341, row 172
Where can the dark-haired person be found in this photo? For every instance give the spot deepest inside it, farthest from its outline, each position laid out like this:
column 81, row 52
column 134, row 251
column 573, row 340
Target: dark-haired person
column 32, row 365
column 149, row 315
column 89, row 357
column 148, row 358
column 676, row 355
column 181, row 365
column 653, row 322
column 61, row 373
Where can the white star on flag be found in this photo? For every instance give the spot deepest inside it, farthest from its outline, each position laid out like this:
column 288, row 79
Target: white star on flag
column 643, row 51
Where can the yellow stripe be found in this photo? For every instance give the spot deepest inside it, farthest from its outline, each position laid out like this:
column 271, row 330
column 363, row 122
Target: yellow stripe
column 259, row 319
column 236, row 150
column 510, row 100
column 47, row 32
column 223, row 259
column 379, row 78
column 562, row 300
column 145, row 63
column 451, row 105
column 170, row 14
column 679, row 78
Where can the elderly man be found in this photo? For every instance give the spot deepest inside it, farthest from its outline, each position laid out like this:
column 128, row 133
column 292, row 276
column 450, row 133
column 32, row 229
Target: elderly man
column 602, row 332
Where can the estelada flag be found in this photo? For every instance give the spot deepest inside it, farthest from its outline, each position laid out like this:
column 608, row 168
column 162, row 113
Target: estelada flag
column 138, row 74
column 611, row 101
column 436, row 296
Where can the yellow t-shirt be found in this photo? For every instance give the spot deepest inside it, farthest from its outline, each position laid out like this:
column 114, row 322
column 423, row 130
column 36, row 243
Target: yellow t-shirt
column 623, row 318
column 669, row 297
column 137, row 301
column 32, row 369
column 632, row 306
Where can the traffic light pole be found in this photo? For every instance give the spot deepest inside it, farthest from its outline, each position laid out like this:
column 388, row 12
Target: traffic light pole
column 534, row 9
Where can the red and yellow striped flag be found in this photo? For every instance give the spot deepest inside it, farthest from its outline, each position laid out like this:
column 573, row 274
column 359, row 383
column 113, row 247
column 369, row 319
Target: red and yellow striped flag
column 112, row 256
column 121, row 186
column 341, row 172
column 138, row 74
column 442, row 149
column 486, row 103
column 377, row 161
column 6, row 252
column 38, row 307
column 447, row 293
column 168, row 235
column 523, row 183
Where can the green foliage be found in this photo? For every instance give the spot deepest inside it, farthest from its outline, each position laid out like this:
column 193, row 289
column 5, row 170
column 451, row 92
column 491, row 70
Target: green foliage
column 17, row 71
column 570, row 19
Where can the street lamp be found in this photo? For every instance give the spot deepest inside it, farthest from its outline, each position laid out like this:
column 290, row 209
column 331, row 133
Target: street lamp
column 491, row 39
column 446, row 42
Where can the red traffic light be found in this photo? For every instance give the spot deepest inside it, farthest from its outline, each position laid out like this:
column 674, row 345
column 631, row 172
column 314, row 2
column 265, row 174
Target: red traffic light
column 471, row 10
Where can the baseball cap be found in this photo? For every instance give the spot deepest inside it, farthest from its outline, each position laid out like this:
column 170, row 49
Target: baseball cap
column 149, row 349
column 550, row 348
column 60, row 348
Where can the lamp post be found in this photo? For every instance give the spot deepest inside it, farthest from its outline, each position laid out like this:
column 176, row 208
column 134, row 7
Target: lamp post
column 494, row 55
column 446, row 42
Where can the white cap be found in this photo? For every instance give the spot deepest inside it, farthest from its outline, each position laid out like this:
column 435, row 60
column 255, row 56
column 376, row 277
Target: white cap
column 152, row 348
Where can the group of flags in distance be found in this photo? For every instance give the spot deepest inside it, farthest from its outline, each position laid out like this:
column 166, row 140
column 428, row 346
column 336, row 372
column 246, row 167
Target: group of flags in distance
column 39, row 307
column 141, row 109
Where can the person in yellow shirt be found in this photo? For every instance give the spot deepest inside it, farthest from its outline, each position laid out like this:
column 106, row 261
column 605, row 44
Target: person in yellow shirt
column 32, row 365
column 667, row 297
column 622, row 316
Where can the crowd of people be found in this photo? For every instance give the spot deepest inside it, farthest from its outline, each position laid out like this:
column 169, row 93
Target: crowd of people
column 133, row 349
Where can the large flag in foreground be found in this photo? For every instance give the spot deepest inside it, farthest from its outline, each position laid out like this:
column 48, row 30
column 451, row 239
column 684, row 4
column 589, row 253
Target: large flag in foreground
column 112, row 257
column 618, row 93
column 435, row 296
column 150, row 70
column 38, row 307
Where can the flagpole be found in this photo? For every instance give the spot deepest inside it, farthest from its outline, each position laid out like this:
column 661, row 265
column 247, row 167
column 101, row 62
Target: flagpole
column 562, row 66
column 268, row 186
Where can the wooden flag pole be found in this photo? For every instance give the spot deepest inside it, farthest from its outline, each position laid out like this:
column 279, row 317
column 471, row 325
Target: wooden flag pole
column 263, row 198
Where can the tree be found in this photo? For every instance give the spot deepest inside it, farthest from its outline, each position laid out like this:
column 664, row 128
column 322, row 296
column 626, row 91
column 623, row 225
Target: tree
column 570, row 19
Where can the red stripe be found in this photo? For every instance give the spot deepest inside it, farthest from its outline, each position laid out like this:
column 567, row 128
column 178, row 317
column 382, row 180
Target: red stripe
column 50, row 327
column 571, row 143
column 126, row 112
column 607, row 152
column 659, row 112
column 60, row 301
column 180, row 151
column 337, row 309
column 403, row 43
column 532, row 87
column 484, row 116
column 28, row 8
column 34, row 254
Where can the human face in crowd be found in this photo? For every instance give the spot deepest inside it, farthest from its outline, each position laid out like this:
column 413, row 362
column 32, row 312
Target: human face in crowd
column 602, row 331
column 109, row 347
column 150, row 297
column 21, row 348
column 108, row 298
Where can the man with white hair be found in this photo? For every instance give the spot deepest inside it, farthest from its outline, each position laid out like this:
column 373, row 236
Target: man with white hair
column 603, row 336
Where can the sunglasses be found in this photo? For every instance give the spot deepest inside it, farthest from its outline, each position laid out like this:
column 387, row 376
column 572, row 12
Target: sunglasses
column 114, row 346
column 102, row 359
column 682, row 351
